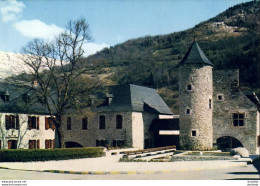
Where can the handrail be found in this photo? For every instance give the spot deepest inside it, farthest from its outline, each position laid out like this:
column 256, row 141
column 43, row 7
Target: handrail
column 150, row 150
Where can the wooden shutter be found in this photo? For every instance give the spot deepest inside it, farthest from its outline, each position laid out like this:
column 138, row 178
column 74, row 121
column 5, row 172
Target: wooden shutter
column 30, row 122
column 46, row 144
column 17, row 122
column 38, row 123
column 53, row 143
column 7, row 122
column 30, row 144
column 9, row 144
column 38, row 144
column 47, row 126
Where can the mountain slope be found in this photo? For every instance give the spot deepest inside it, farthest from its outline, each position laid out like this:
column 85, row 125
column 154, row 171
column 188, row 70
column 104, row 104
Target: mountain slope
column 229, row 40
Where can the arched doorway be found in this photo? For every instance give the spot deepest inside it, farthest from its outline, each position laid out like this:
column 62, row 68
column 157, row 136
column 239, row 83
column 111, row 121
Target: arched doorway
column 226, row 143
column 71, row 144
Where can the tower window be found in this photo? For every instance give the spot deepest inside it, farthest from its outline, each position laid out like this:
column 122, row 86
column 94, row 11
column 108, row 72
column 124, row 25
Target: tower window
column 193, row 133
column 188, row 111
column 210, row 103
column 189, row 87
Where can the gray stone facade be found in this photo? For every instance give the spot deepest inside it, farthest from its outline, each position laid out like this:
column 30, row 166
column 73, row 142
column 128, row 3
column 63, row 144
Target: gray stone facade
column 229, row 100
column 134, row 130
column 196, row 105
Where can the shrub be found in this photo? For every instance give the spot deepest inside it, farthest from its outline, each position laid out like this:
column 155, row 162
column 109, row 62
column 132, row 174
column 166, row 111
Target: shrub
column 25, row 155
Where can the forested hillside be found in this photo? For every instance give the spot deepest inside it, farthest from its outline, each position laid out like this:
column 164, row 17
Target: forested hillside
column 229, row 40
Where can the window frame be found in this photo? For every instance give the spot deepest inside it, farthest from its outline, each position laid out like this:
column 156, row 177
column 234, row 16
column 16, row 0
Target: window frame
column 238, row 119
column 102, row 122
column 69, row 123
column 84, row 122
column 196, row 133
column 119, row 121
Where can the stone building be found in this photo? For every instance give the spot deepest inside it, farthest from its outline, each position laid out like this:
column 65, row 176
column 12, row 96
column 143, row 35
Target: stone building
column 23, row 125
column 124, row 121
column 213, row 110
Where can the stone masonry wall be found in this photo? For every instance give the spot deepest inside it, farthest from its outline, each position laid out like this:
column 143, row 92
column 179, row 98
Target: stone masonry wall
column 233, row 101
column 197, row 100
column 88, row 137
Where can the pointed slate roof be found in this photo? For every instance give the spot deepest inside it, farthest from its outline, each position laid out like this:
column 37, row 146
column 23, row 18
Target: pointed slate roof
column 195, row 56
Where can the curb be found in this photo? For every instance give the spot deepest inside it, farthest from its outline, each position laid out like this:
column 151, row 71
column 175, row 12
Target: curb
column 241, row 164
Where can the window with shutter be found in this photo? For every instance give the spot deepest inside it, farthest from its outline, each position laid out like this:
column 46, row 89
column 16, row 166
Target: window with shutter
column 38, row 123
column 47, row 123
column 30, row 122
column 38, row 144
column 17, row 122
column 46, row 144
column 7, row 122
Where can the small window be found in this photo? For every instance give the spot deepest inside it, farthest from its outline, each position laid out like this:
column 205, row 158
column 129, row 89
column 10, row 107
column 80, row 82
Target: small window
column 33, row 122
column 258, row 141
column 84, row 123
column 119, row 122
column 189, row 87
column 193, row 133
column 68, row 123
column 238, row 119
column 210, row 103
column 220, row 97
column 188, row 111
column 102, row 122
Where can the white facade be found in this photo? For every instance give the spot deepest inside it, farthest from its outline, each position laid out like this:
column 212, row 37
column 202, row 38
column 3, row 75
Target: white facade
column 23, row 134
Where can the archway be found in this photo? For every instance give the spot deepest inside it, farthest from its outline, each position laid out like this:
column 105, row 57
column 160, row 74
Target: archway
column 72, row 144
column 226, row 143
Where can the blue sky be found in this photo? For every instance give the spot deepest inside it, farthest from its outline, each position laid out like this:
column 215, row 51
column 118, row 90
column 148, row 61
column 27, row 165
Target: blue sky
column 111, row 21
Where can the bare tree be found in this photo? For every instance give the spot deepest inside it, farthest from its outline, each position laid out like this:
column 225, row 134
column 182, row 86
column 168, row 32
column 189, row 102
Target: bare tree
column 60, row 83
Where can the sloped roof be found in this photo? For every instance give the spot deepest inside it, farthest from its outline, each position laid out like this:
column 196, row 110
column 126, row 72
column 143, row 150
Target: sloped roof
column 136, row 98
column 195, row 56
column 20, row 101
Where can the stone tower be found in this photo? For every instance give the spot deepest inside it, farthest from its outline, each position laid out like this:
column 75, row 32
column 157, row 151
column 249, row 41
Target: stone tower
column 195, row 100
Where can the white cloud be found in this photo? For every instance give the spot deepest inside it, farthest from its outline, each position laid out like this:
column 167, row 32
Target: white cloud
column 11, row 10
column 37, row 29
column 92, row 48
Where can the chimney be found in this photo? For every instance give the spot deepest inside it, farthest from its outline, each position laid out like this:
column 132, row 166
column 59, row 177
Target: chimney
column 110, row 98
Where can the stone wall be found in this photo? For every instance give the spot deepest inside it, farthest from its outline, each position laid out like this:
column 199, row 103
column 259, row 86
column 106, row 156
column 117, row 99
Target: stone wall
column 226, row 84
column 88, row 137
column 197, row 101
column 23, row 135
